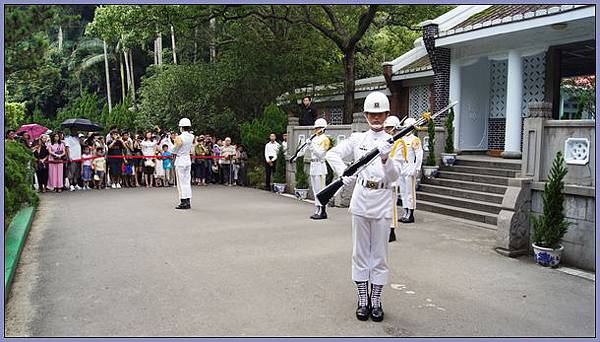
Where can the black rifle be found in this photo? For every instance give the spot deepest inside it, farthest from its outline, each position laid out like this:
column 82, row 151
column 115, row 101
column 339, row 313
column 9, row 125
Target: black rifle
column 329, row 191
column 295, row 156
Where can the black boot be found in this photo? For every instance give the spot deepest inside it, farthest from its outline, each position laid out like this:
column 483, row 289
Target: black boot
column 185, row 204
column 376, row 311
column 323, row 215
column 317, row 213
column 392, row 235
column 403, row 215
column 408, row 219
column 363, row 312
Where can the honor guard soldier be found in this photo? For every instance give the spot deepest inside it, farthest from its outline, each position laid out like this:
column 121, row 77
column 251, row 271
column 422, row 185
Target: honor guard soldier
column 412, row 153
column 183, row 163
column 371, row 205
column 391, row 125
column 319, row 145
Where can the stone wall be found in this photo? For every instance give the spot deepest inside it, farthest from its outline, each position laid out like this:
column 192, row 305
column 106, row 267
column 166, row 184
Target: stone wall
column 542, row 138
column 579, row 241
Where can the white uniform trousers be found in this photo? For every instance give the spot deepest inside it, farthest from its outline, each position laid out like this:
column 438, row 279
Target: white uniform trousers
column 408, row 192
column 395, row 200
column 369, row 249
column 184, row 181
column 318, row 183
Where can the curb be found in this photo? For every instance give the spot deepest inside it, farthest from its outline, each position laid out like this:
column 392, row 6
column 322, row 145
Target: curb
column 14, row 240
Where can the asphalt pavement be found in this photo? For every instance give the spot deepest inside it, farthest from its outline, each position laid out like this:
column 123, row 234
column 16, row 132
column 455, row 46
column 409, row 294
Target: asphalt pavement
column 246, row 262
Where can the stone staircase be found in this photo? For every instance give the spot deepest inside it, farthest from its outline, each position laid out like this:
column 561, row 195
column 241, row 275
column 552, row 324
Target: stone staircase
column 472, row 189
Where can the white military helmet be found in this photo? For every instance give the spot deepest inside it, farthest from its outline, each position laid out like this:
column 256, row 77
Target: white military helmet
column 185, row 122
column 391, row 121
column 320, row 123
column 409, row 122
column 376, row 102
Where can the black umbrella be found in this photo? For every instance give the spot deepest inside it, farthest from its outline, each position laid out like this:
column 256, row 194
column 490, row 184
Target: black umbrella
column 82, row 125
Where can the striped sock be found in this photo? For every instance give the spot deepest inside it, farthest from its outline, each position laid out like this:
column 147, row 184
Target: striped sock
column 362, row 293
column 376, row 295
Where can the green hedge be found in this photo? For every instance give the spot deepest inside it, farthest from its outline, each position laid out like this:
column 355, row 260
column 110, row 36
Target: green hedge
column 18, row 179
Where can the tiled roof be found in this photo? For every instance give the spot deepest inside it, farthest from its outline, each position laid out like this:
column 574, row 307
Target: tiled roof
column 502, row 14
column 501, row 11
column 420, row 64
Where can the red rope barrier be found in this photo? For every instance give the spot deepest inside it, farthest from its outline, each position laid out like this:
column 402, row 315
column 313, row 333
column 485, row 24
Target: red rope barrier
column 129, row 157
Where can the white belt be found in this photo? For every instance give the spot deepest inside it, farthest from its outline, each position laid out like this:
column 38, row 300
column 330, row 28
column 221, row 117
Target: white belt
column 372, row 184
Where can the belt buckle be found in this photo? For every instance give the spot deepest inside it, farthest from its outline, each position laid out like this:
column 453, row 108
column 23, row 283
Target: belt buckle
column 372, row 184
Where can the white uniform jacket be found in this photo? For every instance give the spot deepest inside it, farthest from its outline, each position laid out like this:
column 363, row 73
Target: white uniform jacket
column 318, row 147
column 184, row 150
column 369, row 203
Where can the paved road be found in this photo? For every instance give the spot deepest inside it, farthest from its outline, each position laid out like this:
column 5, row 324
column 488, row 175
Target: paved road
column 245, row 262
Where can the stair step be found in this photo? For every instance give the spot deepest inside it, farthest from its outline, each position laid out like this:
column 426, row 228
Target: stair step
column 466, row 185
column 479, row 170
column 494, row 163
column 488, row 207
column 461, row 193
column 469, row 214
column 474, row 178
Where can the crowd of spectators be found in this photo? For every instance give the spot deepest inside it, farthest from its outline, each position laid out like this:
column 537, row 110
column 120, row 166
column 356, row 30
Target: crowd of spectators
column 124, row 159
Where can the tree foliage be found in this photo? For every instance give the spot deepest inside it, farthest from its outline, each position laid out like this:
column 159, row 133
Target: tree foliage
column 255, row 134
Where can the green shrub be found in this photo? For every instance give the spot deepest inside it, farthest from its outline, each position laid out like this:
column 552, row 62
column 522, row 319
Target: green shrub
column 18, row 179
column 255, row 134
column 301, row 176
column 550, row 227
column 449, row 148
column 279, row 176
column 256, row 176
column 430, row 161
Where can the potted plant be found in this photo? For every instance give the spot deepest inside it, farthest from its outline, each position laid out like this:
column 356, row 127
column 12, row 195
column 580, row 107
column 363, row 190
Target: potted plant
column 301, row 190
column 449, row 157
column 430, row 168
column 279, row 177
column 550, row 227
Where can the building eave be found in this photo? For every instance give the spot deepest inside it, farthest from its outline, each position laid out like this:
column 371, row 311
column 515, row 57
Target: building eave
column 554, row 15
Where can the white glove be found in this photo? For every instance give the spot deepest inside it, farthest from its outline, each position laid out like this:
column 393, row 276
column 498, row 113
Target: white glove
column 347, row 180
column 385, row 148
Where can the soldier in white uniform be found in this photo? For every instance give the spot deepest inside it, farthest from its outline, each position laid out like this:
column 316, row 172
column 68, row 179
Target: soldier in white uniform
column 183, row 163
column 391, row 126
column 412, row 153
column 371, row 205
column 319, row 145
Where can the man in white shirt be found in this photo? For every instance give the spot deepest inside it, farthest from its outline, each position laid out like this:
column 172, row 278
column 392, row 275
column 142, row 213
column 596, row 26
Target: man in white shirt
column 183, row 163
column 73, row 147
column 371, row 204
column 271, row 149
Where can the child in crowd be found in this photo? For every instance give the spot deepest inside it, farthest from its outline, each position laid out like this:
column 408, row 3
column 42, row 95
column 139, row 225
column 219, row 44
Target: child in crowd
column 159, row 171
column 167, row 163
column 99, row 167
column 86, row 168
column 128, row 173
